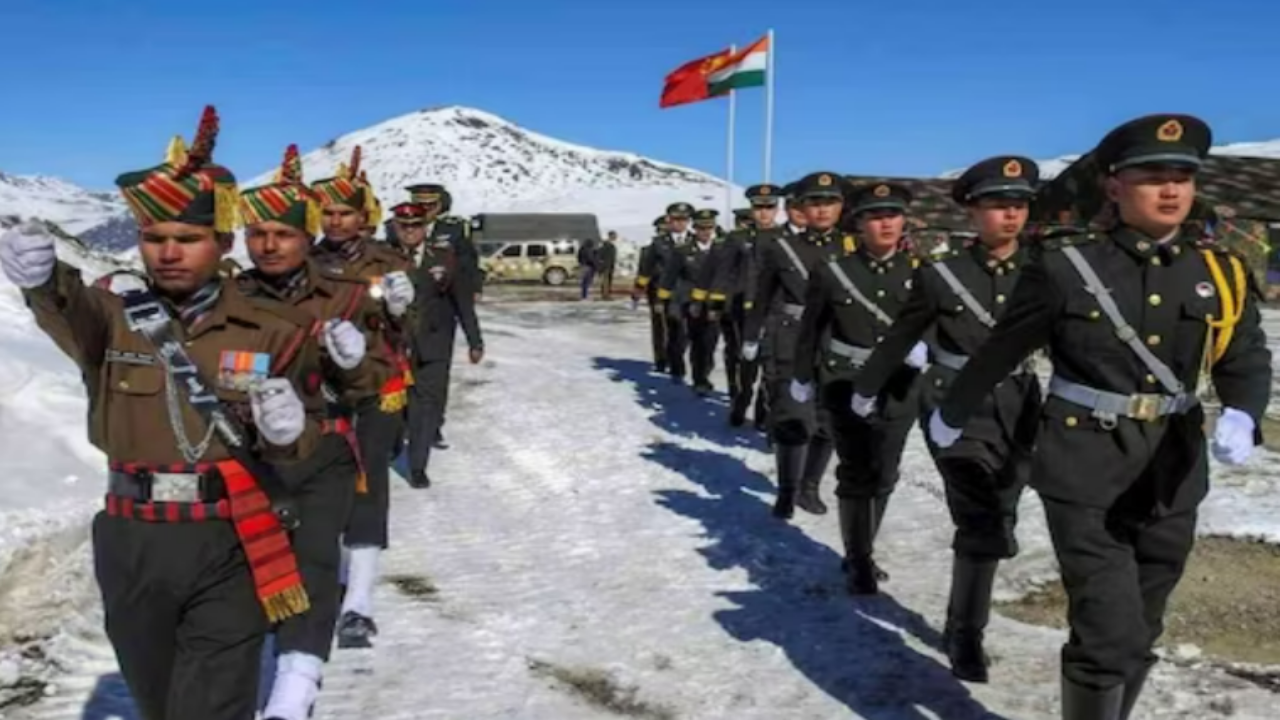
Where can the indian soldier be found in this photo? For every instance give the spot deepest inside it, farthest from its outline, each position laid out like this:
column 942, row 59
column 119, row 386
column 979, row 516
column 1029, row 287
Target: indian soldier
column 608, row 260
column 959, row 297
column 282, row 220
column 802, row 445
column 195, row 391
column 1134, row 317
column 443, row 300
column 649, row 267
column 686, row 302
column 342, row 251
column 851, row 304
column 677, row 234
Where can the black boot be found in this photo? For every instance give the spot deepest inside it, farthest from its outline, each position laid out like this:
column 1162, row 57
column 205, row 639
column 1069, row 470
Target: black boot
column 856, row 518
column 1086, row 703
column 790, row 468
column 967, row 616
column 882, row 504
column 815, row 466
column 1132, row 689
column 418, row 480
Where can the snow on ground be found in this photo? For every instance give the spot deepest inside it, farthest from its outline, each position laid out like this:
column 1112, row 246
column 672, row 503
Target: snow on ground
column 590, row 515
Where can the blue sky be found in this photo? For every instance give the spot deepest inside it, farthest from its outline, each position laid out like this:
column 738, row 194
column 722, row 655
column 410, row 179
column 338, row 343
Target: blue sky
column 93, row 87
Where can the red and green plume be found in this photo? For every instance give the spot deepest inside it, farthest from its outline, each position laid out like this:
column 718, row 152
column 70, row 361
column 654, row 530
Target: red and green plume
column 287, row 199
column 188, row 187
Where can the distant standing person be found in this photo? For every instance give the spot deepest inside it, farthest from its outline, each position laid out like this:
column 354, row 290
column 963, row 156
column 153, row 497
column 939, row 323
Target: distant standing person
column 587, row 261
column 607, row 260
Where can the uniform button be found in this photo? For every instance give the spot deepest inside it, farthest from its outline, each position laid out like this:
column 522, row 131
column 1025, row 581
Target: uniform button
column 959, row 308
column 1151, row 379
column 124, row 384
column 1094, row 314
column 1176, row 250
column 937, row 382
column 999, row 298
column 1143, row 246
column 1155, row 260
column 880, row 271
column 879, row 293
column 1072, row 421
column 879, row 338
column 999, row 271
column 1154, row 299
column 1153, row 340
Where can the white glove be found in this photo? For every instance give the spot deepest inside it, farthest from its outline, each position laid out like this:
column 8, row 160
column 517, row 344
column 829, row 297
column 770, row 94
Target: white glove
column 1233, row 437
column 277, row 411
column 942, row 434
column 398, row 290
column 919, row 356
column 27, row 255
column 345, row 342
column 750, row 351
column 635, row 304
column 863, row 406
column 801, row 392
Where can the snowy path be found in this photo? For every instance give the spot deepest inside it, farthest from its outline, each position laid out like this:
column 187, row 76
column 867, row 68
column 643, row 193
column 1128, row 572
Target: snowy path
column 590, row 516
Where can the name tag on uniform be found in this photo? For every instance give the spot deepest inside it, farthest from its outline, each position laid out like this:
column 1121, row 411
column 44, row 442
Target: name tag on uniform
column 239, row 371
column 130, row 358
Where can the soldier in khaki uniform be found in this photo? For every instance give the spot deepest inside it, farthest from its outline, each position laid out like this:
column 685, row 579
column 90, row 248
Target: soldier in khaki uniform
column 192, row 563
column 282, row 220
column 345, row 205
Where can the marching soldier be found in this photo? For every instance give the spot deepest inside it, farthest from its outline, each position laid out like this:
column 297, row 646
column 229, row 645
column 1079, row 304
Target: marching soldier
column 688, row 321
column 649, row 267
column 799, row 434
column 742, row 218
column 344, row 205
column 195, row 392
column 851, row 305
column 443, row 301
column 664, row 247
column 1132, row 317
column 960, row 296
column 281, row 222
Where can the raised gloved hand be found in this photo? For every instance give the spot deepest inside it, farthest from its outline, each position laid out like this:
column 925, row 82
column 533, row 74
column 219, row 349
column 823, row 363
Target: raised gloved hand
column 1233, row 437
column 27, row 254
column 750, row 351
column 919, row 356
column 801, row 392
column 345, row 342
column 398, row 290
column 277, row 411
column 942, row 434
column 863, row 406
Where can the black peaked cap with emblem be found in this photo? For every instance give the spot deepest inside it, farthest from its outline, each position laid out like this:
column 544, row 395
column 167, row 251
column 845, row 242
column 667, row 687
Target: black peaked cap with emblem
column 820, row 185
column 880, row 196
column 742, row 213
column 679, row 210
column 764, row 195
column 660, row 222
column 705, row 217
column 1004, row 176
column 1169, row 140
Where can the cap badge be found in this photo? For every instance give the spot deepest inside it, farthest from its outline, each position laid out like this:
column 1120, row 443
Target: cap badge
column 824, row 180
column 1170, row 131
column 764, row 190
column 881, row 191
column 1012, row 169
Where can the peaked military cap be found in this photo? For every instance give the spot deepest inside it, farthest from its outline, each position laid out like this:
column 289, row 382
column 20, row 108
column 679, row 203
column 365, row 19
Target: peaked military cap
column 820, row 185
column 705, row 217
column 742, row 213
column 1179, row 140
column 764, row 195
column 660, row 222
column 880, row 196
column 286, row 199
column 345, row 188
column 426, row 193
column 409, row 213
column 1007, row 176
column 187, row 187
column 679, row 210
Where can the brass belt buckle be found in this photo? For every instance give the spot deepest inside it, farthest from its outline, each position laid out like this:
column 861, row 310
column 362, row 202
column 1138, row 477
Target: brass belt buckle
column 1144, row 407
column 175, row 487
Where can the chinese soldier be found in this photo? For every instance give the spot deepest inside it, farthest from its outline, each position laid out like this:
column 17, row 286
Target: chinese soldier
column 1133, row 316
column 801, row 442
column 741, row 218
column 195, row 392
column 688, row 320
column 960, row 296
column 852, row 302
column 282, row 221
column 443, row 300
column 342, row 251
column 648, row 268
column 658, row 267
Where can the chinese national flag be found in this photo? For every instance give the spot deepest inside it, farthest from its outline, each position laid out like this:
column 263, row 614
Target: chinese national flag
column 688, row 83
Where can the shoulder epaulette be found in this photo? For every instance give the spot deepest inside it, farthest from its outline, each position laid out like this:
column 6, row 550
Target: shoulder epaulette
column 850, row 244
column 1057, row 243
column 335, row 275
column 291, row 314
column 931, row 260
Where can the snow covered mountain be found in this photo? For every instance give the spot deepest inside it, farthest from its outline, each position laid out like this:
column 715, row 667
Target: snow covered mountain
column 73, row 208
column 1049, row 169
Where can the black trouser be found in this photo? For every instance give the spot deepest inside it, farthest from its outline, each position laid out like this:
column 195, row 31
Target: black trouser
column 984, row 505
column 447, row 373
column 790, row 422
column 677, row 339
column 870, row 449
column 730, row 329
column 182, row 615
column 606, row 282
column 427, row 398
column 657, row 326
column 703, row 335
column 324, row 495
column 1119, row 568
column 377, row 433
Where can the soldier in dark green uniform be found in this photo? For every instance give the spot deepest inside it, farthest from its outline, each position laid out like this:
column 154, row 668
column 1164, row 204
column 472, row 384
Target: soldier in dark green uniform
column 742, row 219
column 677, row 234
column 1134, row 318
column 850, row 306
column 960, row 296
column 799, row 434
column 687, row 313
column 647, row 268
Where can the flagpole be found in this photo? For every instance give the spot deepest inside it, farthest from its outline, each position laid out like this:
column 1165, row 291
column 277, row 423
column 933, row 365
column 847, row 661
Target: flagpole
column 768, row 109
column 728, row 186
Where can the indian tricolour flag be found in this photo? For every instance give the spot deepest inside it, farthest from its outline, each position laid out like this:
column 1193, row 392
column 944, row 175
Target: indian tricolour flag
column 745, row 69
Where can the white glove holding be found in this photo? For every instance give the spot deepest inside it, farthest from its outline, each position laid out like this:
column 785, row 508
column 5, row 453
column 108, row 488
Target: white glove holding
column 750, row 351
column 398, row 290
column 801, row 392
column 1233, row 437
column 277, row 411
column 345, row 342
column 863, row 406
column 942, row 434
column 27, row 255
column 919, row 356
